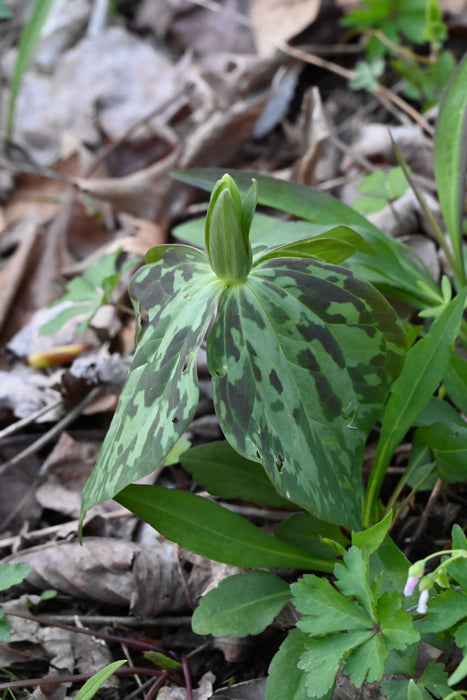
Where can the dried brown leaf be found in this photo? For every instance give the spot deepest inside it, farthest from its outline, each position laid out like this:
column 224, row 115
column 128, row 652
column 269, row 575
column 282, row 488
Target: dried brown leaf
column 280, row 20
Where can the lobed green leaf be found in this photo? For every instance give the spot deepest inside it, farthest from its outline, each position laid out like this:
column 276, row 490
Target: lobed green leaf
column 326, row 610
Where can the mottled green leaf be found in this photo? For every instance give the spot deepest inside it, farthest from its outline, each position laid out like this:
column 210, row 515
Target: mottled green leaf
column 241, row 605
column 225, row 473
column 302, row 356
column 393, row 269
column 208, row 529
column 161, row 394
column 450, row 160
column 285, row 679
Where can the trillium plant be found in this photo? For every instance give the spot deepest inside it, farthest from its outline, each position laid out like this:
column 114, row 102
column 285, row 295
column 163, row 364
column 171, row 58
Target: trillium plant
column 307, row 356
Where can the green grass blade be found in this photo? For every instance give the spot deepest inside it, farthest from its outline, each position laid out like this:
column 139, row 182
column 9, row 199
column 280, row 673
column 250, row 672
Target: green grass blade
column 91, row 686
column 450, row 161
column 425, row 366
column 27, row 43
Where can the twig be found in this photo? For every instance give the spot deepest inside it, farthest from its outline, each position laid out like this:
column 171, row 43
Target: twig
column 53, row 432
column 426, row 512
column 15, row 427
column 35, row 535
column 166, row 621
column 380, row 92
column 147, row 671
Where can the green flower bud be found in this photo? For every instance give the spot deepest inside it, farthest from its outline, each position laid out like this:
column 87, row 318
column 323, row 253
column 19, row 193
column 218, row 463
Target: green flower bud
column 228, row 230
column 417, row 569
column 426, row 582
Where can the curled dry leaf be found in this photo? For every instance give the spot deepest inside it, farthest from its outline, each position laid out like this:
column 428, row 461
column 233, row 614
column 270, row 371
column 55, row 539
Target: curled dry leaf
column 279, row 20
column 203, row 692
column 120, row 79
column 374, row 142
column 146, row 580
column 23, row 391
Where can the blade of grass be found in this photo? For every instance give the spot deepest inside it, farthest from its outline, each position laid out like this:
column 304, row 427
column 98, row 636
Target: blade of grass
column 27, row 43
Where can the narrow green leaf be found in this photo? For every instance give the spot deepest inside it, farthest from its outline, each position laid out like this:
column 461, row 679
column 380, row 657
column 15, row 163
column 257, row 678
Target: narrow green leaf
column 306, row 532
column 424, row 369
column 161, row 394
column 302, row 356
column 285, row 679
column 373, row 537
column 455, row 381
column 208, row 529
column 166, row 663
column 225, row 473
column 91, row 686
column 4, row 630
column 27, row 43
column 333, row 246
column 392, row 270
column 450, row 159
column 241, row 605
column 448, row 443
column 13, row 574
column 459, row 674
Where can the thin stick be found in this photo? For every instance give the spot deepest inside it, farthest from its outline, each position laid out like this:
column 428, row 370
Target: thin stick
column 380, row 92
column 53, row 432
column 14, row 427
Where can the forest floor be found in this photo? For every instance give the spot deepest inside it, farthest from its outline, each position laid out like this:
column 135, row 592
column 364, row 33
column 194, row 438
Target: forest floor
column 107, row 108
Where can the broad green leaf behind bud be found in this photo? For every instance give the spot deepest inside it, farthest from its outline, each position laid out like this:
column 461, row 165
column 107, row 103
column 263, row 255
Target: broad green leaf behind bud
column 228, row 224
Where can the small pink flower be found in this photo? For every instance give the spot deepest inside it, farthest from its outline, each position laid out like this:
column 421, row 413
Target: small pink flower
column 422, row 602
column 411, row 585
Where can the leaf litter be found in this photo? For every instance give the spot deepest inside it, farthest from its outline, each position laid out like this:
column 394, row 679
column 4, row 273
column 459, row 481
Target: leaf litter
column 106, row 110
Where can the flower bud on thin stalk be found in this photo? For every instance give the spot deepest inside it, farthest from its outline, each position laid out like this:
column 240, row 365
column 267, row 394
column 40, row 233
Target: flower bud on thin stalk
column 228, row 224
column 425, row 583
